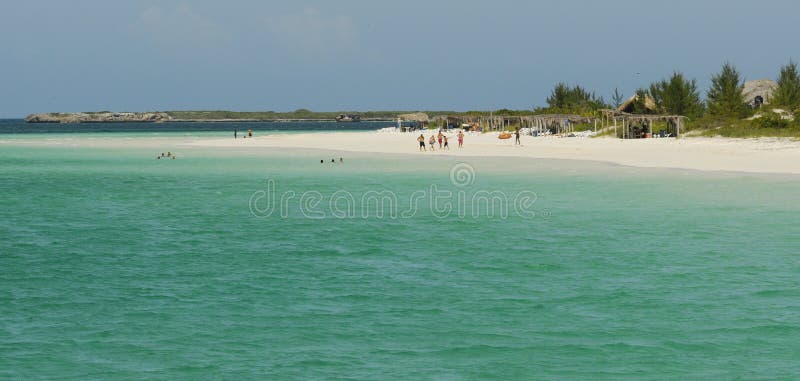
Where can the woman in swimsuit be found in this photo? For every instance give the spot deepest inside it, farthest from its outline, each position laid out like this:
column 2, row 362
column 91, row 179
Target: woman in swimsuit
column 432, row 141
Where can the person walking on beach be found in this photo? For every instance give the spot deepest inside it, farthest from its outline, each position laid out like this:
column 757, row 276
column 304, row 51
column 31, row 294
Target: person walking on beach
column 440, row 139
column 516, row 134
column 446, row 144
column 432, row 141
column 235, row 133
column 421, row 140
column 460, row 139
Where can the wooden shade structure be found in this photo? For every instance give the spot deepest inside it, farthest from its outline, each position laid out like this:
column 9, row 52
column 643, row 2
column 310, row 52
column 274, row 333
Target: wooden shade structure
column 628, row 119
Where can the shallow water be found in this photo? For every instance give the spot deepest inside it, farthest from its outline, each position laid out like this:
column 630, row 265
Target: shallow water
column 18, row 126
column 117, row 265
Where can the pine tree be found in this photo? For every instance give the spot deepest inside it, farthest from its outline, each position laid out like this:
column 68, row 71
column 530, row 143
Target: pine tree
column 725, row 95
column 788, row 92
column 574, row 99
column 677, row 96
column 640, row 102
column 558, row 98
column 617, row 98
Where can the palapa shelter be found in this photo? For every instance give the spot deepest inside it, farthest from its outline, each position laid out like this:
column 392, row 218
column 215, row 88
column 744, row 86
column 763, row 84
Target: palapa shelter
column 448, row 121
column 417, row 119
column 628, row 106
column 556, row 123
column 559, row 123
column 631, row 126
column 481, row 122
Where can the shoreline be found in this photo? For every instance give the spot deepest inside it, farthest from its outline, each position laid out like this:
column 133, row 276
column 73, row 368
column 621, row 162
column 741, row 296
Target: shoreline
column 762, row 156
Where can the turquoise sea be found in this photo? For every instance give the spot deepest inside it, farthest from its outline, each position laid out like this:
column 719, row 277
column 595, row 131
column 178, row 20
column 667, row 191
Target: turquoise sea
column 114, row 265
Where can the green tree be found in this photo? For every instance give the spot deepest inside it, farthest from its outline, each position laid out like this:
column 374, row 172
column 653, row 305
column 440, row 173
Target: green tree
column 788, row 92
column 640, row 102
column 617, row 98
column 677, row 96
column 725, row 95
column 573, row 99
column 559, row 96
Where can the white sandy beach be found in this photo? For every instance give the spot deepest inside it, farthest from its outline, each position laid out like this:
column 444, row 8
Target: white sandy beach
column 765, row 155
column 706, row 154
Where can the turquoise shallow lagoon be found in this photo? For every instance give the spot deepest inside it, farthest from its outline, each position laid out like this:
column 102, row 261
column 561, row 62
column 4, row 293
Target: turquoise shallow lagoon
column 114, row 265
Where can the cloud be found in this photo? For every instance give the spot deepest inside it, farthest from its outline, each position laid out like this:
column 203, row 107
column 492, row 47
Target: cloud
column 311, row 31
column 180, row 25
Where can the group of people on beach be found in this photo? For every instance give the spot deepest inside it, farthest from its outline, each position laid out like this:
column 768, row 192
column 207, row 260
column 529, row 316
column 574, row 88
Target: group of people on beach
column 169, row 155
column 441, row 138
column 236, row 133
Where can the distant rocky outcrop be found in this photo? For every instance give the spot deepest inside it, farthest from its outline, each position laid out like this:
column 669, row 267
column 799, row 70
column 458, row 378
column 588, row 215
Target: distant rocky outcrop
column 759, row 88
column 99, row 117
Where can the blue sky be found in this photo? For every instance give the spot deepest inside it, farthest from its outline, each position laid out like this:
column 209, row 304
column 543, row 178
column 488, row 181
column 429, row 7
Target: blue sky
column 245, row 55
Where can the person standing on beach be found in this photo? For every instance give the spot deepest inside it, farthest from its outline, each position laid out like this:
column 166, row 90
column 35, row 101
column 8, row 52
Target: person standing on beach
column 421, row 140
column 440, row 139
column 446, row 144
column 432, row 141
column 516, row 134
column 460, row 138
column 249, row 133
column 235, row 133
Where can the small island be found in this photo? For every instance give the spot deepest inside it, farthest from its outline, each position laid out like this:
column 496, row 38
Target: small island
column 98, row 117
column 209, row 116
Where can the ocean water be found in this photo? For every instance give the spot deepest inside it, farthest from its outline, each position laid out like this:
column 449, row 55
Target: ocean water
column 18, row 126
column 114, row 265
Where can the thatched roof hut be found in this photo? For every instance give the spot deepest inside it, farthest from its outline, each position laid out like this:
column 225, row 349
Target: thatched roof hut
column 627, row 106
column 415, row 117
